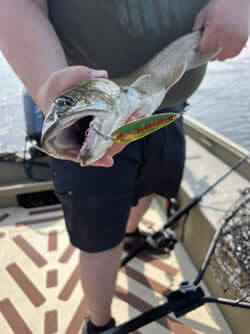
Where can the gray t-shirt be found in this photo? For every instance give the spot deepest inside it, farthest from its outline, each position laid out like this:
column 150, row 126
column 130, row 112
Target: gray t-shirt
column 121, row 35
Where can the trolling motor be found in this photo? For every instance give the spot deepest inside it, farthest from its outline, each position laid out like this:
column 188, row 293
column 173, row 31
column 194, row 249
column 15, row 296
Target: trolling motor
column 33, row 123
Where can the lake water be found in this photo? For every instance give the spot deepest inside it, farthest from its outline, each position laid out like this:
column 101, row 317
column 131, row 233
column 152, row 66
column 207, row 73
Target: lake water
column 222, row 102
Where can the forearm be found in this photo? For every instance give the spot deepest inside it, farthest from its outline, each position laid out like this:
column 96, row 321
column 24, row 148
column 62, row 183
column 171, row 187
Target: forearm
column 29, row 42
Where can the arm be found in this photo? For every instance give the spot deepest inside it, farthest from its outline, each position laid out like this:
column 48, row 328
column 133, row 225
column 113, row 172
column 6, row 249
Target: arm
column 29, row 42
column 226, row 24
column 33, row 50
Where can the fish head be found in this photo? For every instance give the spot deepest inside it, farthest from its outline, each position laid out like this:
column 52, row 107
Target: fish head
column 69, row 127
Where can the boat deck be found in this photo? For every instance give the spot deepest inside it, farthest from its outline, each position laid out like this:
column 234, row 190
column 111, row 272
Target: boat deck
column 41, row 291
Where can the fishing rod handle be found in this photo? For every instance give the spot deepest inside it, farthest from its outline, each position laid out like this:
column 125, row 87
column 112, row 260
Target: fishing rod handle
column 142, row 319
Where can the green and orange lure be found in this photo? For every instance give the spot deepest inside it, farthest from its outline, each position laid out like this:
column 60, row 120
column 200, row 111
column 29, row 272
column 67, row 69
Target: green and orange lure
column 140, row 128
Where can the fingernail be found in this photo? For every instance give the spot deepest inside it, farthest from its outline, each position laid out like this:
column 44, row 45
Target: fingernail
column 99, row 74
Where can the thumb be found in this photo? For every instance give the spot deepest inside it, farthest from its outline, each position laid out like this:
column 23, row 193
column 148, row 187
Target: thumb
column 200, row 24
column 70, row 76
column 63, row 80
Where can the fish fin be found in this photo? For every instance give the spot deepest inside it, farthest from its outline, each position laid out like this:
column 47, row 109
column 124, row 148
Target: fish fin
column 197, row 59
column 146, row 84
column 143, row 84
column 175, row 75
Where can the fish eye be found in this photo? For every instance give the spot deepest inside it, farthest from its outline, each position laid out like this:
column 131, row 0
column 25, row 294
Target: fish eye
column 69, row 101
column 64, row 101
column 59, row 101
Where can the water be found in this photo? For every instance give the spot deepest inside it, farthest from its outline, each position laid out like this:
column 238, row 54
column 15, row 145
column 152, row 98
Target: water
column 222, row 102
column 12, row 128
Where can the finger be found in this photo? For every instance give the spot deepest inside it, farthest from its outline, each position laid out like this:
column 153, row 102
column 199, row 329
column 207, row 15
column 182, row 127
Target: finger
column 105, row 161
column 209, row 41
column 231, row 47
column 115, row 149
column 136, row 115
column 68, row 77
column 131, row 119
column 216, row 57
column 109, row 161
column 199, row 21
column 63, row 80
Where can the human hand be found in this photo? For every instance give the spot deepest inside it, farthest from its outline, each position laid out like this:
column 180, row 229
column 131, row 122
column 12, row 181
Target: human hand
column 62, row 80
column 66, row 79
column 226, row 27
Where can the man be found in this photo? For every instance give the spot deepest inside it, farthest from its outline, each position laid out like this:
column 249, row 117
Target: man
column 40, row 40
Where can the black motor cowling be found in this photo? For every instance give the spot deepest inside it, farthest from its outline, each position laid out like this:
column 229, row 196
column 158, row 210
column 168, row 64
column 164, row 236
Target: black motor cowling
column 33, row 118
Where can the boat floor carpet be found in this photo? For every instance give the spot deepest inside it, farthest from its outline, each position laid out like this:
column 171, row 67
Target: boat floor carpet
column 41, row 291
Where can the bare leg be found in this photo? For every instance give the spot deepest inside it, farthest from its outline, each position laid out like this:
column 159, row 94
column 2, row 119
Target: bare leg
column 137, row 212
column 98, row 273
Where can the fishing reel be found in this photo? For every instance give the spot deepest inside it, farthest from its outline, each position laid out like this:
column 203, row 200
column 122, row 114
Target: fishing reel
column 163, row 240
column 172, row 207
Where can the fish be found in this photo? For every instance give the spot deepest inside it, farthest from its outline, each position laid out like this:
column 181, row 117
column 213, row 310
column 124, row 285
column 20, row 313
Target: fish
column 84, row 122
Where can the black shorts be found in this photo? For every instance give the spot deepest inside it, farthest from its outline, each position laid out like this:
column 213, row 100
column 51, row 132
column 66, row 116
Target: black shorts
column 97, row 200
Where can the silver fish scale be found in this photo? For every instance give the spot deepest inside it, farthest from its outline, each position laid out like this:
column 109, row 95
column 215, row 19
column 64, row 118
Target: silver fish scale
column 94, row 90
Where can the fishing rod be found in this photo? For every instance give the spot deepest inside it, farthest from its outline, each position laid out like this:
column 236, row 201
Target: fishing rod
column 162, row 238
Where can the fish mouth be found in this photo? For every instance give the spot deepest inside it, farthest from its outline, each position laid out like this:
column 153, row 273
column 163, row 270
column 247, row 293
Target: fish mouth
column 67, row 141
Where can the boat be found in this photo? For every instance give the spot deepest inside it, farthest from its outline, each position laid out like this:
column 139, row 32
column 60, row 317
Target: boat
column 40, row 287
